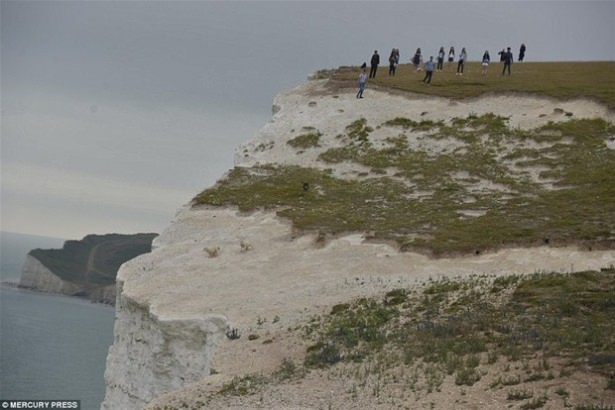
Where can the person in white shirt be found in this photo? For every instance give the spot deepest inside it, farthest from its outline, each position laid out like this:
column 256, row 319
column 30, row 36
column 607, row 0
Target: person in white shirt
column 362, row 79
column 485, row 62
column 462, row 60
column 428, row 70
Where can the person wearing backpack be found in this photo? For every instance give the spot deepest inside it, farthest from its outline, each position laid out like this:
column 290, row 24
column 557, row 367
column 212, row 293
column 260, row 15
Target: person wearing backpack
column 393, row 60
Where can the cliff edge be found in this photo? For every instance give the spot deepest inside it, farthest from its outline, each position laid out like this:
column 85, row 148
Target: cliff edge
column 227, row 285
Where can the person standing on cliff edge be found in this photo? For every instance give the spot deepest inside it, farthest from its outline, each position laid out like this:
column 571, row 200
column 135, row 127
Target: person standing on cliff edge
column 462, row 60
column 508, row 59
column 428, row 71
column 362, row 79
column 375, row 62
column 521, row 52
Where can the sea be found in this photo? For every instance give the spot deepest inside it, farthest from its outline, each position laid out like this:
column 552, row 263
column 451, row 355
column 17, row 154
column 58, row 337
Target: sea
column 51, row 347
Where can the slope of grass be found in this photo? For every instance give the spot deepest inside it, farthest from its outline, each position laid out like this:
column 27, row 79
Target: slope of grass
column 564, row 316
column 435, row 203
column 541, row 327
column 517, row 338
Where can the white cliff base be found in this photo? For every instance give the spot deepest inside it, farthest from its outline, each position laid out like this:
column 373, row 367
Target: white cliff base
column 215, row 269
column 152, row 354
column 36, row 276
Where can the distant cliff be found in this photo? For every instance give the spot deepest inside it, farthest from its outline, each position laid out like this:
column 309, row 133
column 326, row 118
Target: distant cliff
column 83, row 268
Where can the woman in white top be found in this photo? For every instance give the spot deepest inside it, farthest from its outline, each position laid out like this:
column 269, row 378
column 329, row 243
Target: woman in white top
column 462, row 60
column 486, row 60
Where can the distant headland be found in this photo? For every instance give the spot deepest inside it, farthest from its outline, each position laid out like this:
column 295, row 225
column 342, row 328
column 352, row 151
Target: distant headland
column 86, row 267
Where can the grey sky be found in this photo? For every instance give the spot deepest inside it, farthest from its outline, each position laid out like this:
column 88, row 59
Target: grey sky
column 115, row 114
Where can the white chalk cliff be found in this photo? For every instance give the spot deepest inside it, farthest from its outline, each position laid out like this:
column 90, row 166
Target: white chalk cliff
column 175, row 304
column 36, row 276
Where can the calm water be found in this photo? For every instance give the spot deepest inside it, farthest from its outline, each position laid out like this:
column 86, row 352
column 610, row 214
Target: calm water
column 51, row 347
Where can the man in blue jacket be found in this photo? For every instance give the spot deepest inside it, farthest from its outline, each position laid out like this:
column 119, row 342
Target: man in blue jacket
column 428, row 70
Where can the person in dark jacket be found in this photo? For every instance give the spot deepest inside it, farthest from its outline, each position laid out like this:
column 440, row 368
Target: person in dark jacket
column 502, row 55
column 508, row 59
column 485, row 62
column 375, row 62
column 417, row 60
column 522, row 52
column 440, row 59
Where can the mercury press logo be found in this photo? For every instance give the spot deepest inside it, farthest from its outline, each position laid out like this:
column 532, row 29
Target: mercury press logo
column 40, row 404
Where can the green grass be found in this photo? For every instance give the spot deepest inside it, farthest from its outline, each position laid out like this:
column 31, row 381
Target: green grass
column 520, row 394
column 458, row 330
column 305, row 141
column 465, row 331
column 420, row 201
column 560, row 80
column 241, row 386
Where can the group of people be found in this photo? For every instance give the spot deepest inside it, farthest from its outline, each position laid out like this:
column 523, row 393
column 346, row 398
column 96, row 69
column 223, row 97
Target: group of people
column 506, row 57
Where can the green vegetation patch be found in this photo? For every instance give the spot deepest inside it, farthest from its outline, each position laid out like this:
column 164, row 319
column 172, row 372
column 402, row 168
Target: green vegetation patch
column 241, row 386
column 305, row 141
column 455, row 327
column 514, row 332
column 579, row 309
column 407, row 123
column 352, row 332
column 481, row 195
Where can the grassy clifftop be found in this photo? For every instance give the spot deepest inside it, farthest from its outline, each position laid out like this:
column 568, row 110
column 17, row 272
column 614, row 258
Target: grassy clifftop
column 497, row 186
column 560, row 80
column 95, row 259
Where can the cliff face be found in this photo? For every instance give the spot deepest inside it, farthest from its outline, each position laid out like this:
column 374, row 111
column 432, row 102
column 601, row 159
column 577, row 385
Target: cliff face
column 83, row 268
column 37, row 276
column 152, row 355
column 217, row 275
